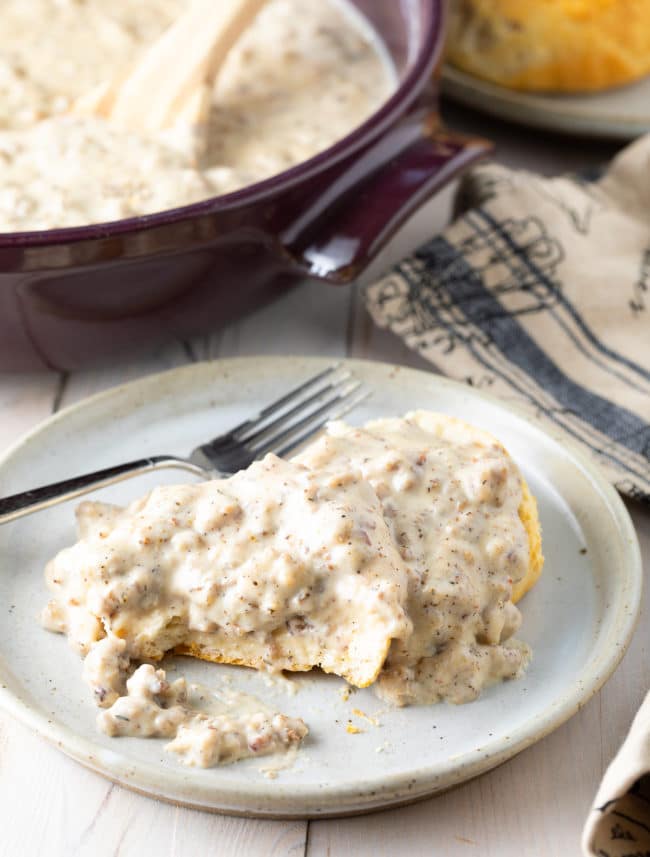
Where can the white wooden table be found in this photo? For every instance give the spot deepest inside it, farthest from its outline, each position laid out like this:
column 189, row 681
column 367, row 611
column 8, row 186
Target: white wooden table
column 533, row 806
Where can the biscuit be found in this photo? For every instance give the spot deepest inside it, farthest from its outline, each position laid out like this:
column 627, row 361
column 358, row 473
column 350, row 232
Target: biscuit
column 551, row 45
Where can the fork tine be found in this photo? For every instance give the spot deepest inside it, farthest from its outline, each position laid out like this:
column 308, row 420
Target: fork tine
column 310, row 423
column 273, row 408
column 287, row 430
column 313, row 428
column 301, row 408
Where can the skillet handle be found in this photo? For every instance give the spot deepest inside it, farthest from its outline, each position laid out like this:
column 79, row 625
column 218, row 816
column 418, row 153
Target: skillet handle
column 355, row 212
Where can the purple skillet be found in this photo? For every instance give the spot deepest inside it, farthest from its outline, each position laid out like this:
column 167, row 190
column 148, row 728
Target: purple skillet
column 69, row 297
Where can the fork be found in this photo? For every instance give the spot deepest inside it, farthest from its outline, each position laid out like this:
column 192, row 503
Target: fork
column 279, row 428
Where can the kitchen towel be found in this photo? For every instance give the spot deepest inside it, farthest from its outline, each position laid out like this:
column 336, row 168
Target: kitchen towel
column 619, row 821
column 539, row 292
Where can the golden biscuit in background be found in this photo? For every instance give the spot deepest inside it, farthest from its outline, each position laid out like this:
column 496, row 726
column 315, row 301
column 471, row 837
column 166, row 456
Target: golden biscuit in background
column 551, row 45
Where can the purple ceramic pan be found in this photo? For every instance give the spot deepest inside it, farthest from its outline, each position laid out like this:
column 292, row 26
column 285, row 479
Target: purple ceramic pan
column 72, row 296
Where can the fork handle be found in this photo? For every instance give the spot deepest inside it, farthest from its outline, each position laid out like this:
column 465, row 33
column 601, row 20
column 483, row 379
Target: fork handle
column 27, row 502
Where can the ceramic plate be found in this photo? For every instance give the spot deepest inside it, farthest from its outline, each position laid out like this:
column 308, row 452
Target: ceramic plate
column 622, row 113
column 578, row 619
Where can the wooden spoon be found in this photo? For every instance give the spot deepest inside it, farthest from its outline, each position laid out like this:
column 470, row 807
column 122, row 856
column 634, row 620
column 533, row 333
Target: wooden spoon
column 174, row 78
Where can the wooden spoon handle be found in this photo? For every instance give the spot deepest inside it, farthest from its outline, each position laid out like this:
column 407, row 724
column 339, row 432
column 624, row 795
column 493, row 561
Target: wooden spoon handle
column 186, row 58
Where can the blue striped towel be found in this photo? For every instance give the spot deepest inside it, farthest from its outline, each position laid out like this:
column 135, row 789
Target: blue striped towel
column 540, row 293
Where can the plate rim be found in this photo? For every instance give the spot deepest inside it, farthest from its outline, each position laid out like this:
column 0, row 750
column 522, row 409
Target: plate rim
column 533, row 110
column 351, row 799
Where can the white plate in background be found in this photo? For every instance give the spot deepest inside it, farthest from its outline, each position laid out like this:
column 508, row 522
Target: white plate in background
column 622, row 113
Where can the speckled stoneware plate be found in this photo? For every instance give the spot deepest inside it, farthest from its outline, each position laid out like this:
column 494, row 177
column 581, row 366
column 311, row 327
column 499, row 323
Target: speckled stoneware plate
column 622, row 113
column 578, row 619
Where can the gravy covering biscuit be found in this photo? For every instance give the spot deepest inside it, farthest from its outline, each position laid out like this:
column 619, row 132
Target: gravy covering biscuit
column 390, row 555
